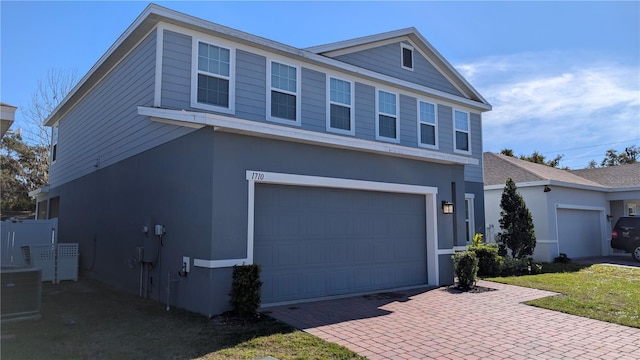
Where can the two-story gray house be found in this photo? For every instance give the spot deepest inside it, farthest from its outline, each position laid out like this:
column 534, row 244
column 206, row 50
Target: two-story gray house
column 191, row 147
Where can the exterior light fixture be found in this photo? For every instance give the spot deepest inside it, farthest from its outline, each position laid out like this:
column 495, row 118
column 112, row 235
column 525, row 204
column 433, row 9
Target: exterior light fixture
column 447, row 207
column 546, row 188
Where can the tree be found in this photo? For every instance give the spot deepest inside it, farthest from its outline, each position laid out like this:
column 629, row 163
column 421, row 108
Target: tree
column 507, row 152
column 25, row 156
column 518, row 233
column 49, row 93
column 629, row 156
column 21, row 171
column 535, row 157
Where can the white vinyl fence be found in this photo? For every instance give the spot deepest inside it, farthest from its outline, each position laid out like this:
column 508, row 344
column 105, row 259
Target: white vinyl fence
column 35, row 242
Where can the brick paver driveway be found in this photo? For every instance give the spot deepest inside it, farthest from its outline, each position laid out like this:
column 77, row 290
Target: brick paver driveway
column 442, row 324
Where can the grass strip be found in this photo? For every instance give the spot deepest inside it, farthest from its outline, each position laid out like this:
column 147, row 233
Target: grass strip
column 602, row 292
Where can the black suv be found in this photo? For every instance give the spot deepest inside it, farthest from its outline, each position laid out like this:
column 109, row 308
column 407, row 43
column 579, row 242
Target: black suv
column 626, row 235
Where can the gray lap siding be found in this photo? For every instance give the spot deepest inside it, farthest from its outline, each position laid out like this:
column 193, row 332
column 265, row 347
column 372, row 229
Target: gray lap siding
column 250, row 95
column 386, row 60
column 104, row 127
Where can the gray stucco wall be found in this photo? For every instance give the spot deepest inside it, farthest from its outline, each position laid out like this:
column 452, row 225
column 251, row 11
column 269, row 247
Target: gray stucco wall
column 106, row 210
column 195, row 186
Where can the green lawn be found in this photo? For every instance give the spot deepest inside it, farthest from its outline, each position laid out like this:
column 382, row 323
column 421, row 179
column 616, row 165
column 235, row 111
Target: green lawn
column 602, row 292
column 88, row 320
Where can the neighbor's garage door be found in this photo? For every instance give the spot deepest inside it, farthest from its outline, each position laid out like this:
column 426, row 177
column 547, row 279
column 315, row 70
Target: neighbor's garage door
column 579, row 233
column 314, row 242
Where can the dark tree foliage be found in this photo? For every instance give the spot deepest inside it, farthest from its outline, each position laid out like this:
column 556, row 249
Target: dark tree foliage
column 518, row 233
column 535, row 157
column 629, row 156
column 23, row 168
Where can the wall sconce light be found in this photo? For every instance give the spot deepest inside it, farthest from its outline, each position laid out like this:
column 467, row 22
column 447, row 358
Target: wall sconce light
column 609, row 217
column 546, row 188
column 447, row 207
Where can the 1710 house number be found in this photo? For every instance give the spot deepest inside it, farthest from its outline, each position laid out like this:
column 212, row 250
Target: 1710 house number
column 257, row 176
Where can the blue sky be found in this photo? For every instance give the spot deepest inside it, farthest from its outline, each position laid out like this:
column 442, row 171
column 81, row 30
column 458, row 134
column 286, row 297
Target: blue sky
column 563, row 77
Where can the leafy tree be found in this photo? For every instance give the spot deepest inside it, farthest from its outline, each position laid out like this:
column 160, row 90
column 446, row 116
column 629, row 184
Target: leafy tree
column 507, row 152
column 518, row 233
column 535, row 157
column 629, row 156
column 22, row 169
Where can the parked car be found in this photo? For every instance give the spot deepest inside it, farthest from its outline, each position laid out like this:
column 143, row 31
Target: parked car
column 626, row 235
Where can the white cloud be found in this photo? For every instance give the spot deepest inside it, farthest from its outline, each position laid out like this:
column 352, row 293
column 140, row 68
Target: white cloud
column 557, row 101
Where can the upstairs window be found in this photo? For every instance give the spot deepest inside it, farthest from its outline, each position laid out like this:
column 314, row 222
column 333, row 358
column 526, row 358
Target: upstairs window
column 407, row 56
column 213, row 88
column 461, row 136
column 427, row 125
column 54, row 143
column 387, row 109
column 283, row 98
column 340, row 107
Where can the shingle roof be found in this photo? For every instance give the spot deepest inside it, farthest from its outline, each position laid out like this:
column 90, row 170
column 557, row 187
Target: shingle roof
column 620, row 176
column 497, row 168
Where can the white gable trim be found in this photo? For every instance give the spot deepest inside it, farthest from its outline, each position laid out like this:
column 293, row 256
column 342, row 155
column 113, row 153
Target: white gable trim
column 274, row 131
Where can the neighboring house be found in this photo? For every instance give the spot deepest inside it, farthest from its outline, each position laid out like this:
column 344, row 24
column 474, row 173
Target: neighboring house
column 327, row 166
column 575, row 215
column 7, row 116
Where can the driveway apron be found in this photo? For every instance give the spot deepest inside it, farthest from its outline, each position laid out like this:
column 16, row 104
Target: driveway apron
column 445, row 324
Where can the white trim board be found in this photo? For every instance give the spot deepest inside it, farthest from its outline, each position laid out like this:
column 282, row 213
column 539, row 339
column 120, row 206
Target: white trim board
column 257, row 176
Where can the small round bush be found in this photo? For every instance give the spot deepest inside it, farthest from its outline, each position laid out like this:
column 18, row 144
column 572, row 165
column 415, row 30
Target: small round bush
column 489, row 262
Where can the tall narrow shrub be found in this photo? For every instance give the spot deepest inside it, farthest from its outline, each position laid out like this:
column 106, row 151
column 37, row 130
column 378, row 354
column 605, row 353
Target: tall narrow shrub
column 465, row 266
column 518, row 233
column 246, row 289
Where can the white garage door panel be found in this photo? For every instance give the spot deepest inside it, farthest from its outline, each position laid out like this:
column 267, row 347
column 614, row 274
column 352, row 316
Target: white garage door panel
column 579, row 233
column 315, row 242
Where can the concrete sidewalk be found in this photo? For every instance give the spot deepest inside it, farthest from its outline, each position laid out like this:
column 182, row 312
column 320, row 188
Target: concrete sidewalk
column 444, row 324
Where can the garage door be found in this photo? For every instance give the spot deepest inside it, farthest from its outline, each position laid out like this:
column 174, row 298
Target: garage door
column 579, row 233
column 314, row 242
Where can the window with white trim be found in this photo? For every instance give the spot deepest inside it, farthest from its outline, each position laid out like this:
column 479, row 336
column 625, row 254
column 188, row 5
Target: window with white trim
column 469, row 217
column 427, row 125
column 54, row 143
column 461, row 138
column 283, row 100
column 340, row 106
column 407, row 56
column 213, row 87
column 387, row 111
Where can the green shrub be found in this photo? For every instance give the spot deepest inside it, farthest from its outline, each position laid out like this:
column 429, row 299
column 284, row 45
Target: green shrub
column 477, row 239
column 489, row 262
column 562, row 259
column 245, row 289
column 518, row 267
column 465, row 265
